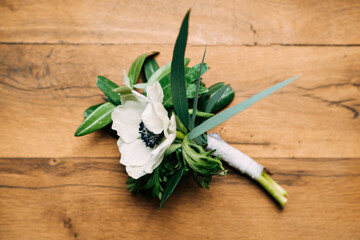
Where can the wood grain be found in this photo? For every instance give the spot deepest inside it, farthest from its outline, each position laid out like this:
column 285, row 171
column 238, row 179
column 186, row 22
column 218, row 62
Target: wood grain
column 85, row 198
column 236, row 22
column 45, row 89
column 56, row 186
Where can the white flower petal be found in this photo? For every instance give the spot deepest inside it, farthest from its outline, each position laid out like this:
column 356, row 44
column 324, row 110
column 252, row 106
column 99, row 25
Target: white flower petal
column 126, row 119
column 140, row 97
column 162, row 114
column 154, row 117
column 124, row 97
column 168, row 140
column 135, row 105
column 120, row 142
column 139, row 159
column 135, row 153
column 155, row 93
column 135, row 172
column 172, row 126
column 154, row 162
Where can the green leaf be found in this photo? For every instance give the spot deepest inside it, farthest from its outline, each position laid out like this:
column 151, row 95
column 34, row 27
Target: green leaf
column 224, row 100
column 178, row 84
column 214, row 88
column 186, row 61
column 107, row 86
column 202, row 180
column 192, row 74
column 159, row 74
column 89, row 110
column 200, row 160
column 122, row 90
column 213, row 100
column 203, row 101
column 190, row 90
column 228, row 113
column 192, row 121
column 98, row 119
column 150, row 66
column 136, row 67
column 171, row 185
column 153, row 179
column 221, row 103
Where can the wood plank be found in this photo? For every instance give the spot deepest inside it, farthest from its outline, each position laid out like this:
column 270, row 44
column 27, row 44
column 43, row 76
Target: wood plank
column 85, row 198
column 45, row 90
column 155, row 22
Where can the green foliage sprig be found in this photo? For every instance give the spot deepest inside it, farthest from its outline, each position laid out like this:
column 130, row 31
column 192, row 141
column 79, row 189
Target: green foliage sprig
column 194, row 105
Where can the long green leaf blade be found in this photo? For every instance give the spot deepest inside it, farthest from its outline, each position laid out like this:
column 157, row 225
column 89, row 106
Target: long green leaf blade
column 171, row 185
column 135, row 68
column 107, row 86
column 215, row 98
column 150, row 66
column 225, row 115
column 178, row 84
column 192, row 122
column 98, row 119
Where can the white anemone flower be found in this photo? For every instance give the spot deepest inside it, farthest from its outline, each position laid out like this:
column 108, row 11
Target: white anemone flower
column 144, row 129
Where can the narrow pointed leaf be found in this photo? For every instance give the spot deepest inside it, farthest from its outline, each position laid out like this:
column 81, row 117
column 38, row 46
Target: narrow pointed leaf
column 228, row 113
column 150, row 66
column 136, row 67
column 213, row 100
column 178, row 84
column 89, row 110
column 171, row 185
column 107, row 86
column 204, row 99
column 98, row 119
column 192, row 121
column 224, row 100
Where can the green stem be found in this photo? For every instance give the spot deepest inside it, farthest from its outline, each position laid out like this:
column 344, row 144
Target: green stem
column 180, row 126
column 281, row 190
column 201, row 114
column 272, row 189
column 180, row 135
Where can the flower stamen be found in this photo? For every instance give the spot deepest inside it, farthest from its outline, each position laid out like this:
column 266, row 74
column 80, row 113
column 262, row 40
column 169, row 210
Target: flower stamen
column 149, row 138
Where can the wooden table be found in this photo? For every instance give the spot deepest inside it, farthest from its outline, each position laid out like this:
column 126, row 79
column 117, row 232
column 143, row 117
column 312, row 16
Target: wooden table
column 56, row 186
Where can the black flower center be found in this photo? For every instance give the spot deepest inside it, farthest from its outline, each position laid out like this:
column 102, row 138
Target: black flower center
column 149, row 138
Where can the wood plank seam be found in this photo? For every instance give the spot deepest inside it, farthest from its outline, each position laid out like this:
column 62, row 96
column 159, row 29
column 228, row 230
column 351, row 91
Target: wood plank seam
column 192, row 45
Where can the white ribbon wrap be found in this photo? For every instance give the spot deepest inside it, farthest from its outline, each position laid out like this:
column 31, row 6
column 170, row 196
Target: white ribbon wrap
column 234, row 157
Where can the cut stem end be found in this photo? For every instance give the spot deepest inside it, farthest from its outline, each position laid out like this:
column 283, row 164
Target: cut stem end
column 274, row 189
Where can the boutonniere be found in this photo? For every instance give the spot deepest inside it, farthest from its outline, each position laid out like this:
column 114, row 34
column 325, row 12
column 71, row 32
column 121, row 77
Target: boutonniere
column 162, row 129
